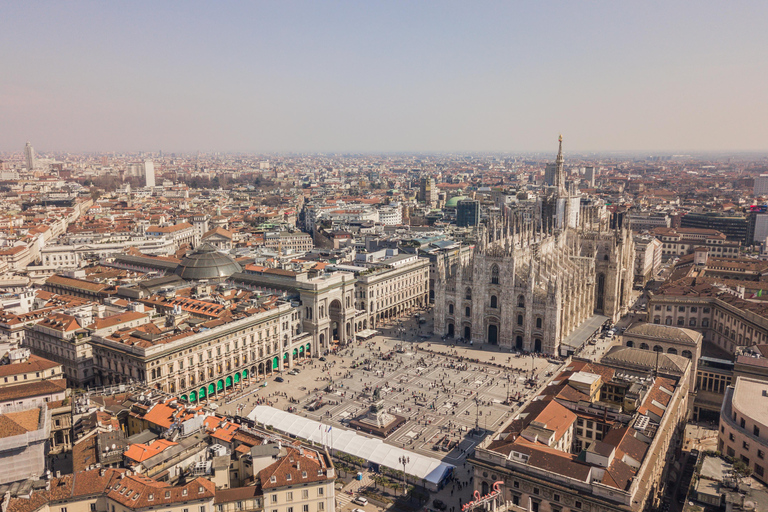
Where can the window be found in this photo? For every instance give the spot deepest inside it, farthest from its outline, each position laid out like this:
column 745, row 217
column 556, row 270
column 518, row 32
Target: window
column 745, row 460
column 468, row 294
column 306, row 508
column 730, row 452
column 467, row 311
column 745, row 445
column 760, row 454
column 321, row 505
column 450, row 309
column 681, row 309
column 577, row 504
column 516, row 484
column 305, row 494
column 494, row 302
column 495, row 275
column 556, row 497
column 516, row 500
column 756, row 431
column 536, row 490
column 519, row 319
column 741, row 422
column 93, row 507
column 274, row 498
column 289, row 496
column 521, row 301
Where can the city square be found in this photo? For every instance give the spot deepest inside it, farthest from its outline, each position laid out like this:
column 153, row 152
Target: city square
column 451, row 394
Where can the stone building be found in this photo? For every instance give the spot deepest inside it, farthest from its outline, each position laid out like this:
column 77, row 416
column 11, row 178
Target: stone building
column 596, row 439
column 205, row 360
column 529, row 283
column 744, row 425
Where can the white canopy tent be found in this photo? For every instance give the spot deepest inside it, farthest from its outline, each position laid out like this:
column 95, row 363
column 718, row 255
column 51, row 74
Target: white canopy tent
column 420, row 468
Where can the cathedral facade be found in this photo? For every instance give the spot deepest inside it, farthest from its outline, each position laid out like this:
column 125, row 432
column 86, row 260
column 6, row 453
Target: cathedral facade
column 530, row 282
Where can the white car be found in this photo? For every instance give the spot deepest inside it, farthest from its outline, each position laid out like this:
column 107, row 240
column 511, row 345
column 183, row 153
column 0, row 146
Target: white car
column 359, row 500
column 357, row 510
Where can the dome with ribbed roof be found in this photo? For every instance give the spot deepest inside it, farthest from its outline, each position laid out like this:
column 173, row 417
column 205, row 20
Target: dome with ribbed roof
column 207, row 263
column 454, row 201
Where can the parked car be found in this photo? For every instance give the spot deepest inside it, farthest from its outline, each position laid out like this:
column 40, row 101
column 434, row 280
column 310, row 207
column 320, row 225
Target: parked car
column 279, row 379
column 322, row 359
column 359, row 500
column 439, row 505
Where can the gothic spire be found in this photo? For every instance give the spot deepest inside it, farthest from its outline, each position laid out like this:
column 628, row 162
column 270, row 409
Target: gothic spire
column 560, row 176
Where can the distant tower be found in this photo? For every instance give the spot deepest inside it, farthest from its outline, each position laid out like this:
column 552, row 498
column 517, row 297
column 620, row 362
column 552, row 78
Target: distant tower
column 29, row 152
column 589, row 175
column 149, row 173
column 428, row 191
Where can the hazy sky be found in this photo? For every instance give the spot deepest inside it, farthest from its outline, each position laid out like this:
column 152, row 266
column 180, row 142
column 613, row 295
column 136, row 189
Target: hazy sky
column 383, row 75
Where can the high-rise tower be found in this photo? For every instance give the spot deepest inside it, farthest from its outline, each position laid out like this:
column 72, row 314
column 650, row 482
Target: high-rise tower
column 29, row 153
column 149, row 173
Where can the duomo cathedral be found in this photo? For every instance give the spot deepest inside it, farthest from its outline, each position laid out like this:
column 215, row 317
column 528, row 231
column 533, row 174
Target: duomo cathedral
column 531, row 280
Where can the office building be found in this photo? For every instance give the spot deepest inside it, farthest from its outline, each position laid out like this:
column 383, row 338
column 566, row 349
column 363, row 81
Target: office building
column 29, row 153
column 149, row 173
column 761, row 185
column 428, row 192
column 468, row 213
column 734, row 227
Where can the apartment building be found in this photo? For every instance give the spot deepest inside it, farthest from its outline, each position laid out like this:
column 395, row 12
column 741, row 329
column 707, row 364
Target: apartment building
column 181, row 233
column 622, row 426
column 300, row 481
column 62, row 338
column 723, row 317
column 647, row 259
column 682, row 241
column 23, row 442
column 289, row 241
column 743, row 431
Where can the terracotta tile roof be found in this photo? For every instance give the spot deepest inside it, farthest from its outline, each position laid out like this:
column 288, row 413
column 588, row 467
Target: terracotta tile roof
column 110, row 321
column 17, row 423
column 32, row 364
column 31, row 389
column 60, row 322
column 294, row 469
column 138, row 491
column 237, row 494
column 139, row 452
column 79, row 284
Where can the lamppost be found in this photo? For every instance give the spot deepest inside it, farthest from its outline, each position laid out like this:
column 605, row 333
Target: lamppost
column 404, row 460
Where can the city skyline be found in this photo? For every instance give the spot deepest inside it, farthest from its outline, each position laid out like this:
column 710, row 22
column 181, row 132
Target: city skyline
column 392, row 78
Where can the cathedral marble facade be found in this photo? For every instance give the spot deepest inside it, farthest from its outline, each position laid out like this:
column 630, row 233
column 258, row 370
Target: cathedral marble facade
column 530, row 283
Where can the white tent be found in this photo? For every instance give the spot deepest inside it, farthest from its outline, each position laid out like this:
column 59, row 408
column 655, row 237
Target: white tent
column 420, row 467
